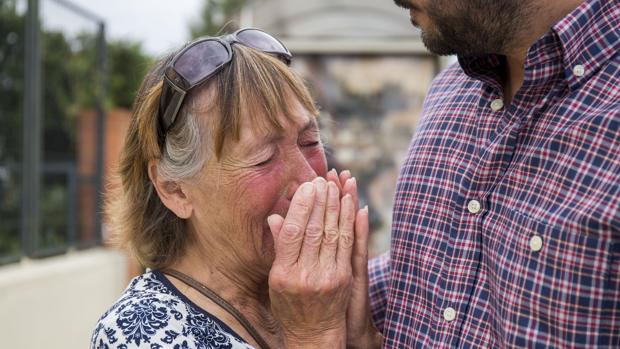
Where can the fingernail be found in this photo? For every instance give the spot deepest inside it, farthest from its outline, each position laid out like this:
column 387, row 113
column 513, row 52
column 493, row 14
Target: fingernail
column 365, row 208
column 347, row 197
column 333, row 170
column 332, row 186
column 307, row 188
column 346, row 173
column 318, row 180
column 350, row 182
column 271, row 219
column 320, row 183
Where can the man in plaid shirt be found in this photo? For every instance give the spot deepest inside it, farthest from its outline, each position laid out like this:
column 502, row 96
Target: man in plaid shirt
column 506, row 226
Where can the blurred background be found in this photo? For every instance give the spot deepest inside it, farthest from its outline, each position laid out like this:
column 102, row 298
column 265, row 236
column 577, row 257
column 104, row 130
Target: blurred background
column 69, row 71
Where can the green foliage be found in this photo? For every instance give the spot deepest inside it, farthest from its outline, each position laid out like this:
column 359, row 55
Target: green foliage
column 127, row 65
column 70, row 85
column 11, row 80
column 54, row 211
column 64, row 93
column 11, row 101
column 217, row 16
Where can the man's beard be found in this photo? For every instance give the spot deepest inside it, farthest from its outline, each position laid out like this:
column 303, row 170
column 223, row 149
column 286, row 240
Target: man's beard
column 475, row 27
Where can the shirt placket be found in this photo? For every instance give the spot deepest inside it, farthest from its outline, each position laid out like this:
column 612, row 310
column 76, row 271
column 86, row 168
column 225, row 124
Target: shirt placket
column 462, row 271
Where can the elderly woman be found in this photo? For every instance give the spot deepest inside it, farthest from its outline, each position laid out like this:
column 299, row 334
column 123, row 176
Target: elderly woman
column 223, row 141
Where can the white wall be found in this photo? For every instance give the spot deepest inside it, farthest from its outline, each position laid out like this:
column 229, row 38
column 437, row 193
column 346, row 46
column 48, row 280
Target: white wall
column 55, row 302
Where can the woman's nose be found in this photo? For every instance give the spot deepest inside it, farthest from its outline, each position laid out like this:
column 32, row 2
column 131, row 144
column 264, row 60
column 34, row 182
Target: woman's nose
column 300, row 172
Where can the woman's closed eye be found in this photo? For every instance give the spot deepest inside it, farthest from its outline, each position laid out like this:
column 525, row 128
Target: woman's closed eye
column 264, row 162
column 264, row 156
column 310, row 137
column 309, row 144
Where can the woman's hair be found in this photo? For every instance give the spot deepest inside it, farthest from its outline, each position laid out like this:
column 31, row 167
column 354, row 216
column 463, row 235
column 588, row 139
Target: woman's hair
column 251, row 81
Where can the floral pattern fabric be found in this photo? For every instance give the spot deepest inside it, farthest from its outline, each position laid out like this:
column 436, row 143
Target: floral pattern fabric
column 153, row 313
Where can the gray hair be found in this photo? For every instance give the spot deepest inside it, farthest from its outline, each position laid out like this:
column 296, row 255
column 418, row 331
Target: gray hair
column 185, row 151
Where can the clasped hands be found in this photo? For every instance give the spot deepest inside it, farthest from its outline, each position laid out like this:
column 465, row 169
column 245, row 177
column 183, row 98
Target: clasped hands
column 318, row 283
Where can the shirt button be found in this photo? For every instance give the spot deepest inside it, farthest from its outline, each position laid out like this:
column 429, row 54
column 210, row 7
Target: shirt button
column 497, row 105
column 473, row 206
column 536, row 243
column 579, row 70
column 449, row 314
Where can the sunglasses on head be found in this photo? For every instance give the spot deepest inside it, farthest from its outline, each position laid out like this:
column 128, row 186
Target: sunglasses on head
column 202, row 59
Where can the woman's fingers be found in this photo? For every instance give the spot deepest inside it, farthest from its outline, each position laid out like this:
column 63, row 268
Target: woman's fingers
column 332, row 176
column 344, row 176
column 346, row 226
column 359, row 320
column 346, row 183
column 359, row 261
column 275, row 222
column 319, row 223
column 339, row 179
column 314, row 229
column 331, row 230
column 291, row 235
column 350, row 187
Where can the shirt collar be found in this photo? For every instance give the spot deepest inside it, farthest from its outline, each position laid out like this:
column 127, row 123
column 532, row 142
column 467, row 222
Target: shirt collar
column 581, row 42
column 590, row 37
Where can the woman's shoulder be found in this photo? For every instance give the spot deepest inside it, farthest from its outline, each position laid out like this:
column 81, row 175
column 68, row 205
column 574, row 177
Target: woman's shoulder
column 151, row 313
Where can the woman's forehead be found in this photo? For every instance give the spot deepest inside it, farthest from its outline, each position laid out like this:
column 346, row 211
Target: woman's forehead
column 292, row 125
column 255, row 122
column 254, row 139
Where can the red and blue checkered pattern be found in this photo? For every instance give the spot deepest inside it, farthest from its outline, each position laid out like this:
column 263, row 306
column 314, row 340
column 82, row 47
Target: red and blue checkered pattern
column 538, row 265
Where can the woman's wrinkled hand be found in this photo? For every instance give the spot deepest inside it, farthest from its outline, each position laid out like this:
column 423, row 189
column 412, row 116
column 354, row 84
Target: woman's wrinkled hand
column 311, row 277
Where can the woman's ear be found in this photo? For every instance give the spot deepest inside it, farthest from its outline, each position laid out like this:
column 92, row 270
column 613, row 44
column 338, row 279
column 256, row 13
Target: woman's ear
column 170, row 193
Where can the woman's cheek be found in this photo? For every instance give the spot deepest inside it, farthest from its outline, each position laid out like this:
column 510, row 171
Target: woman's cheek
column 265, row 187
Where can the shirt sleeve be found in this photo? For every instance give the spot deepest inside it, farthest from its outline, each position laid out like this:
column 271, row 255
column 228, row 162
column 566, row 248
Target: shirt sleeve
column 379, row 273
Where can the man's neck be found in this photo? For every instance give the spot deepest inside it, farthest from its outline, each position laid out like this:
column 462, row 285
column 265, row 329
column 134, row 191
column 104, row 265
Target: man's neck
column 548, row 14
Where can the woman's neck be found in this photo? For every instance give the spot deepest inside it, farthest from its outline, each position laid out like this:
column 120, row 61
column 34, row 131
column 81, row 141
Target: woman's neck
column 243, row 286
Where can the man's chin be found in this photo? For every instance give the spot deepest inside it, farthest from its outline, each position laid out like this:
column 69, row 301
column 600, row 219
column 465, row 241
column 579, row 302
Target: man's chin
column 435, row 46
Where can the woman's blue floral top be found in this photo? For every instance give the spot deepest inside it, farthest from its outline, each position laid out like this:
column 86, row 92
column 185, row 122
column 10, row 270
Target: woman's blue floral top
column 153, row 313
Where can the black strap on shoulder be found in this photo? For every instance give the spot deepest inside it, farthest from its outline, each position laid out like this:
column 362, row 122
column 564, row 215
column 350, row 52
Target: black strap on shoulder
column 209, row 293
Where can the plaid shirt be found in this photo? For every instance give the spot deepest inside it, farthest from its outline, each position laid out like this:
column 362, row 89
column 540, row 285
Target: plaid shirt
column 506, row 226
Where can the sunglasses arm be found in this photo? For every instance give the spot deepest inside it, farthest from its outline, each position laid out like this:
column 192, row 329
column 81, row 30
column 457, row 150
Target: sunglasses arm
column 172, row 109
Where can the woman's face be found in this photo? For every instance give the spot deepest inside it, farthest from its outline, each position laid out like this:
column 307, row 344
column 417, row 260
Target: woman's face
column 254, row 178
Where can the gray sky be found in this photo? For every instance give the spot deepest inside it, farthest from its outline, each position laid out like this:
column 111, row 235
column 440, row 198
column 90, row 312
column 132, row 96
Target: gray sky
column 159, row 24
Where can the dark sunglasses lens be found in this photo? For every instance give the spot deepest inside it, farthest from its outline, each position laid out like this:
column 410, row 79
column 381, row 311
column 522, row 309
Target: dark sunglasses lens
column 261, row 41
column 201, row 60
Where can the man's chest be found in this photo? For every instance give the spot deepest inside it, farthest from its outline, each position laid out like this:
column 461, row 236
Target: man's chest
column 554, row 157
column 510, row 211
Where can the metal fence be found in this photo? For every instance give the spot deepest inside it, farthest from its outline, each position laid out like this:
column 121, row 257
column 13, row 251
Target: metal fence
column 51, row 130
